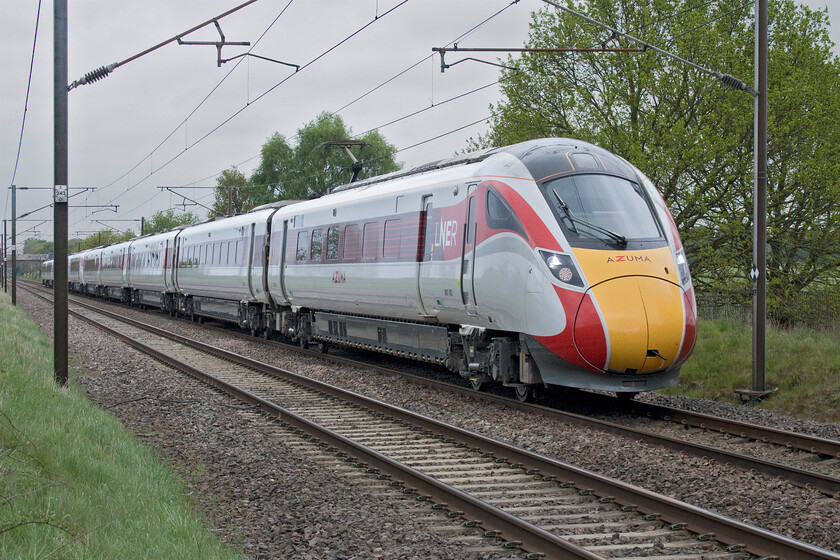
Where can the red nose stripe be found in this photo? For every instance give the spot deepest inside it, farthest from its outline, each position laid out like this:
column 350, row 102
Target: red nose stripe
column 563, row 343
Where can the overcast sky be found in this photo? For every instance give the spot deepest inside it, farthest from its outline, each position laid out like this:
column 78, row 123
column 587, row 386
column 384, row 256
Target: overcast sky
column 119, row 126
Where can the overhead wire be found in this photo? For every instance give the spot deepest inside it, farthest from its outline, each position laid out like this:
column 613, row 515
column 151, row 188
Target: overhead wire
column 639, row 28
column 711, row 21
column 424, row 59
column 349, row 166
column 459, row 38
column 197, row 107
column 206, row 97
column 389, row 80
column 367, row 93
column 275, row 86
column 26, row 102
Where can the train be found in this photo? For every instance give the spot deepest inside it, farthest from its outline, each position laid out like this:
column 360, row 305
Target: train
column 548, row 263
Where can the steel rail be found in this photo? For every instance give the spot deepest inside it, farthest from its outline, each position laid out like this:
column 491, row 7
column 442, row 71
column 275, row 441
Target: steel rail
column 516, row 531
column 703, row 522
column 792, row 440
column 825, row 484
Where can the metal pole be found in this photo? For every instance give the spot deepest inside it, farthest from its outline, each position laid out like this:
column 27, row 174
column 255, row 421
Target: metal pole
column 14, row 246
column 760, row 200
column 60, row 190
column 142, row 226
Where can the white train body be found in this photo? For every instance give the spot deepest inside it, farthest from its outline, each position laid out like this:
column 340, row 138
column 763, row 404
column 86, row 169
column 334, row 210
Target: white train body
column 220, row 265
column 149, row 271
column 551, row 262
column 48, row 273
column 112, row 273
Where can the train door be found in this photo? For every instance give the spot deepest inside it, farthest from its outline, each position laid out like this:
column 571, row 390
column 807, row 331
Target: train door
column 466, row 282
column 168, row 268
column 176, row 262
column 424, row 253
column 128, row 269
column 265, row 256
column 283, row 261
column 252, row 250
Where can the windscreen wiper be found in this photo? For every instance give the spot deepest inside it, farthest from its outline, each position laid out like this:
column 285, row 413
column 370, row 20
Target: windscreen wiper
column 618, row 238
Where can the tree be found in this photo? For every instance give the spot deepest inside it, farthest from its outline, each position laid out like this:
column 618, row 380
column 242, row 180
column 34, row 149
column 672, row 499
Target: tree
column 101, row 238
column 272, row 177
column 694, row 137
column 287, row 172
column 231, row 195
column 166, row 220
column 34, row 246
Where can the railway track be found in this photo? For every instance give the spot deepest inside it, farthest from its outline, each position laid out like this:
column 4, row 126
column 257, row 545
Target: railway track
column 803, row 460
column 526, row 500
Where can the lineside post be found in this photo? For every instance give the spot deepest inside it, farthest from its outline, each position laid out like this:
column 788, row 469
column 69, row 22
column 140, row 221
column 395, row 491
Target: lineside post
column 60, row 191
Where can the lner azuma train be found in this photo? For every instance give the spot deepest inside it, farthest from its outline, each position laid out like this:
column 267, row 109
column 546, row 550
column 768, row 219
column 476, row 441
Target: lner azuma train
column 550, row 262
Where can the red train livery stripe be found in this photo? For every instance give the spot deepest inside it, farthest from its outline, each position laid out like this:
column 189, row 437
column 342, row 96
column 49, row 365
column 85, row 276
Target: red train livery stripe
column 537, row 233
column 590, row 338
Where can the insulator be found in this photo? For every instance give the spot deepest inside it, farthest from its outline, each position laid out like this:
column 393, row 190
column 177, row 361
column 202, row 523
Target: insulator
column 97, row 74
column 732, row 82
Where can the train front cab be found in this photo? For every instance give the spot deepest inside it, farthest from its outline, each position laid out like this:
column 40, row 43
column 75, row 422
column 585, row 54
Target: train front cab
column 623, row 282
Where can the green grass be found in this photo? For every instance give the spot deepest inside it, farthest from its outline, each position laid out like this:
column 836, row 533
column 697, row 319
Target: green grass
column 802, row 365
column 73, row 481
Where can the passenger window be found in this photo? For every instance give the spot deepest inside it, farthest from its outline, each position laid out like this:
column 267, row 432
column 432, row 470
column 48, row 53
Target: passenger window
column 391, row 246
column 301, row 246
column 352, row 243
column 370, row 241
column 333, row 238
column 317, row 247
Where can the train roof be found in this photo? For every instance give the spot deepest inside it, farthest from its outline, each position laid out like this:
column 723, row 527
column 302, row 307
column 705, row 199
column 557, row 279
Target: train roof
column 275, row 204
column 540, row 157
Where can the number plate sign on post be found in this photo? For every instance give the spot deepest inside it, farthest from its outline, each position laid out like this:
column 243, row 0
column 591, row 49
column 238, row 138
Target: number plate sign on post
column 60, row 193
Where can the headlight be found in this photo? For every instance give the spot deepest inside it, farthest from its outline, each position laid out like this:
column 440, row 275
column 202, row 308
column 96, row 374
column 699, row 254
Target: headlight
column 562, row 267
column 682, row 269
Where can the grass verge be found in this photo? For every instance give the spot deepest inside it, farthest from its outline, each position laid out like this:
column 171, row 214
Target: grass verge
column 803, row 366
column 73, row 481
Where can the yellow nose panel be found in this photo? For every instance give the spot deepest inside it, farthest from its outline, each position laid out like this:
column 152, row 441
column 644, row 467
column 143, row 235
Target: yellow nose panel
column 644, row 320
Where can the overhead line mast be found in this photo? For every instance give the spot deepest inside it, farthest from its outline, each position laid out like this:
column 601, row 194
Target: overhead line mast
column 103, row 71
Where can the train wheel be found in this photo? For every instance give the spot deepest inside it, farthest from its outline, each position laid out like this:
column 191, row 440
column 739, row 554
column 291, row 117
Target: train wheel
column 524, row 393
column 323, row 347
column 266, row 334
column 303, row 342
column 477, row 384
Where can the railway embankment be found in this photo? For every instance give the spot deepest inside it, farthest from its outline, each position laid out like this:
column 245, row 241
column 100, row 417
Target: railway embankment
column 74, row 483
column 803, row 368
